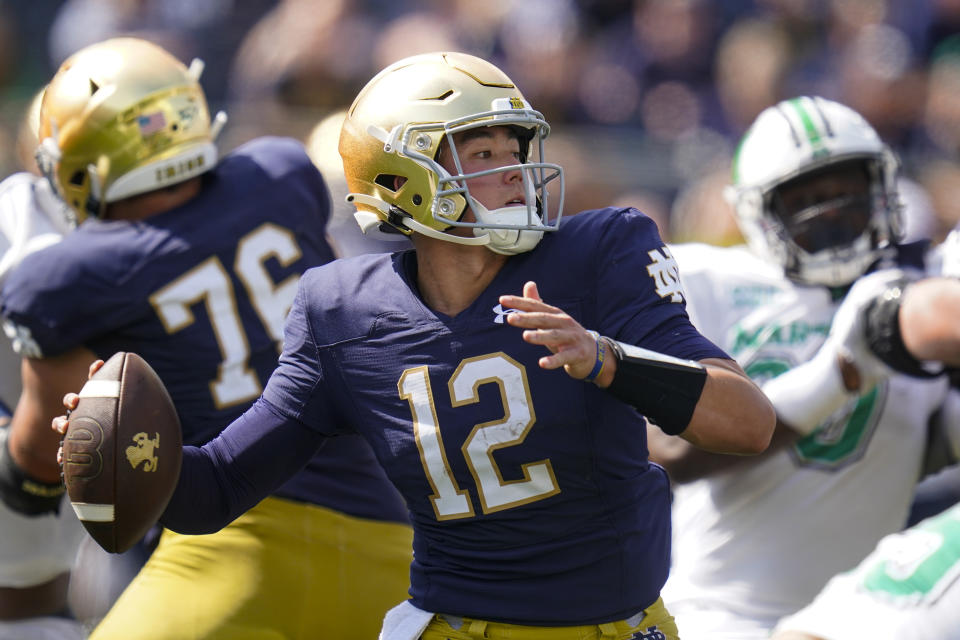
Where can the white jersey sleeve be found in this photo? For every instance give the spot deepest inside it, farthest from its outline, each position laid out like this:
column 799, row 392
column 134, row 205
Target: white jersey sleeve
column 909, row 587
column 32, row 549
column 36, row 549
column 31, row 218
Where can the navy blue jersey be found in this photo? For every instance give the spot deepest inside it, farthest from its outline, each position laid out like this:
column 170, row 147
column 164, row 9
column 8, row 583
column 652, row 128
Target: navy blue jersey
column 520, row 481
column 201, row 292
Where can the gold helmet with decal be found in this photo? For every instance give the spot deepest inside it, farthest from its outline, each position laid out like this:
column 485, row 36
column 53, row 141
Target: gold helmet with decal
column 120, row 118
column 393, row 133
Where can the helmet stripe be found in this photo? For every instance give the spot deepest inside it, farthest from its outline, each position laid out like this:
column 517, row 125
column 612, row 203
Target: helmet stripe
column 813, row 133
column 793, row 130
column 823, row 117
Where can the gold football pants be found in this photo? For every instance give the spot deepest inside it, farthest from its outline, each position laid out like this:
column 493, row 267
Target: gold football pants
column 655, row 623
column 282, row 571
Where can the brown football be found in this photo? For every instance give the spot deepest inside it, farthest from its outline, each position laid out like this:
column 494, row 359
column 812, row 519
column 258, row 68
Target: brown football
column 122, row 452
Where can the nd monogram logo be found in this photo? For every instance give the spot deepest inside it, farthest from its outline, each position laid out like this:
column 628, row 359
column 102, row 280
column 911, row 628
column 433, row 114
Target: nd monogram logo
column 516, row 103
column 652, row 633
column 142, row 450
column 81, row 450
column 666, row 274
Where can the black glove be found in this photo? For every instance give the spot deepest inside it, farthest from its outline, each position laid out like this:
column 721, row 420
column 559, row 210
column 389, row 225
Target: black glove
column 22, row 493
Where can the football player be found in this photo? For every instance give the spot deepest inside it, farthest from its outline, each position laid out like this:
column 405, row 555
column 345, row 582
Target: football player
column 192, row 261
column 755, row 539
column 37, row 551
column 513, row 432
column 907, row 587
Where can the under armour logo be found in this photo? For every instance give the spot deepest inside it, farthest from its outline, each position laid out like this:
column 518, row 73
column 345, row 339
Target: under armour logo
column 666, row 274
column 501, row 313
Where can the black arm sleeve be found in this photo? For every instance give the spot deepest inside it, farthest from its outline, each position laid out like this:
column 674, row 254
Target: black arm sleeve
column 882, row 332
column 248, row 461
column 664, row 389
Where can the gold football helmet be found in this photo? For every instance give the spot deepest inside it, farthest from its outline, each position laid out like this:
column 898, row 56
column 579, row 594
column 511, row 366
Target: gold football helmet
column 120, row 118
column 394, row 130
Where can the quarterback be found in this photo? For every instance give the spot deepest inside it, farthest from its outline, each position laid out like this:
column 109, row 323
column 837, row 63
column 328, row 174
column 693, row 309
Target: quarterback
column 514, row 434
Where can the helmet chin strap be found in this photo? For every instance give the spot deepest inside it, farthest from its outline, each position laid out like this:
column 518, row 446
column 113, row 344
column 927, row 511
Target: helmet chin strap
column 413, row 225
column 502, row 241
column 449, row 237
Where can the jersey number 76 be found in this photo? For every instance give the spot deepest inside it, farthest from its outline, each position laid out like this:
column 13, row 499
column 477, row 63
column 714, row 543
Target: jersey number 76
column 210, row 283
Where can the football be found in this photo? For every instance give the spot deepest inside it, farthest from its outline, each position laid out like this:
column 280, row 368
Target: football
column 122, row 452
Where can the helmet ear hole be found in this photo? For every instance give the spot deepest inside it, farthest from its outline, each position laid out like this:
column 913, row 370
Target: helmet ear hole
column 77, row 178
column 389, row 182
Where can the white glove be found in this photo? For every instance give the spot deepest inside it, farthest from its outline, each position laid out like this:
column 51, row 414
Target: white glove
column 847, row 332
column 808, row 394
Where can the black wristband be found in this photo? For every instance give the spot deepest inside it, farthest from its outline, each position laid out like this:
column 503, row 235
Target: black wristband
column 664, row 389
column 882, row 333
column 22, row 493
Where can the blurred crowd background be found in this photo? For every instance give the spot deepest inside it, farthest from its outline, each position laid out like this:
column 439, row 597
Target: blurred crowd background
column 647, row 98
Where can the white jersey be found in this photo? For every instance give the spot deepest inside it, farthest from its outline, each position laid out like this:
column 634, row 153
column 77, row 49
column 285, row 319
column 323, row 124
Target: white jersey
column 33, row 550
column 31, row 218
column 758, row 542
column 909, row 587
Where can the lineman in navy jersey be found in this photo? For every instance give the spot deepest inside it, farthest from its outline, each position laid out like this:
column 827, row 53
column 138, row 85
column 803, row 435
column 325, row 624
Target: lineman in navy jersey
column 535, row 511
column 197, row 278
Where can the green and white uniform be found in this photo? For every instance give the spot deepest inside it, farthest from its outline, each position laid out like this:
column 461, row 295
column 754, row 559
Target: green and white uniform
column 758, row 542
column 909, row 587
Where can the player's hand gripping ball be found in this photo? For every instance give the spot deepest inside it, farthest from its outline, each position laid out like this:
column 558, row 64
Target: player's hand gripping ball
column 122, row 452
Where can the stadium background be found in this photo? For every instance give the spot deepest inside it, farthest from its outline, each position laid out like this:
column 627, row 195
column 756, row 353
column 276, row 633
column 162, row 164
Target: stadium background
column 647, row 97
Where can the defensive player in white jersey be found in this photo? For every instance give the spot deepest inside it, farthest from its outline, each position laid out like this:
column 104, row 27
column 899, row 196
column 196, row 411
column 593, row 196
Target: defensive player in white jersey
column 813, row 188
column 37, row 551
column 909, row 587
